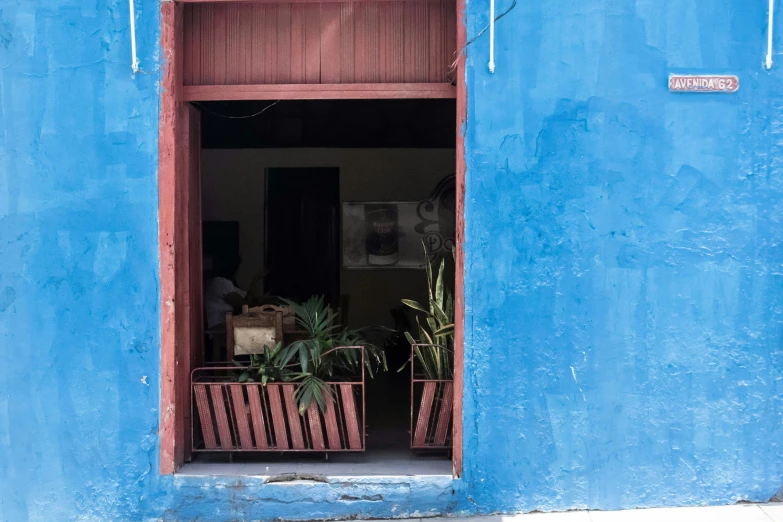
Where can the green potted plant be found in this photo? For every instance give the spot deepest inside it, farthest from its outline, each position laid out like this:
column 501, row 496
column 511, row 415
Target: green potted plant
column 432, row 362
column 306, row 395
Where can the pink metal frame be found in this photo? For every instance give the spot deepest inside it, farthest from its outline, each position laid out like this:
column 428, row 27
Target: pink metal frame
column 431, row 420
column 252, row 417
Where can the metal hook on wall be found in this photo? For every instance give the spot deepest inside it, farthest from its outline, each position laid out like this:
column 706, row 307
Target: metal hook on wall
column 492, row 36
column 770, row 23
column 135, row 60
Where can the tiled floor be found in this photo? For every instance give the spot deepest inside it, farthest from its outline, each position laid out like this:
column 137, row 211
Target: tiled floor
column 735, row 513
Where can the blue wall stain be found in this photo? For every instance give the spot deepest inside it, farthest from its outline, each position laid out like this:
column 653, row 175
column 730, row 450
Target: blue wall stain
column 623, row 271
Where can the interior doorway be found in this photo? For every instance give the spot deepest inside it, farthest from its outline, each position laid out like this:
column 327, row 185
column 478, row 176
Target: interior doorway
column 302, row 217
column 288, row 184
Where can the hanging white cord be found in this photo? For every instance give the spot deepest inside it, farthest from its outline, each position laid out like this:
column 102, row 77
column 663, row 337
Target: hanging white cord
column 135, row 62
column 492, row 36
column 769, row 33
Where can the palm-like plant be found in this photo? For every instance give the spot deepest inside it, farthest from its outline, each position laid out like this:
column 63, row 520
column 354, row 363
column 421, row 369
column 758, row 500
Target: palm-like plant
column 319, row 356
column 265, row 367
column 436, row 334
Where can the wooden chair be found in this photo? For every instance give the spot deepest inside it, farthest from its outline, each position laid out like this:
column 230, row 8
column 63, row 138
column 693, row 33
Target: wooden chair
column 288, row 317
column 249, row 332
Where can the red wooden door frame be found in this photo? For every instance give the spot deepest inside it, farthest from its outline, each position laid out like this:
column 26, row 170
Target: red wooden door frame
column 175, row 115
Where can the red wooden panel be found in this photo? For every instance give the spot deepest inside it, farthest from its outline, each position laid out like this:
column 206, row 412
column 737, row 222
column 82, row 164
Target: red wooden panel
column 459, row 263
column 216, row 390
column 205, row 415
column 283, row 49
column 444, row 414
column 437, row 63
column 397, row 41
column 331, row 29
column 257, row 416
column 351, row 419
column 414, row 62
column 233, row 59
column 298, row 43
column 316, row 431
column 369, row 42
column 450, row 31
column 392, row 34
column 312, row 44
column 294, row 425
column 172, row 418
column 356, row 91
column 240, row 413
column 257, row 42
column 347, row 41
column 278, row 420
column 194, row 275
column 332, row 431
column 425, row 410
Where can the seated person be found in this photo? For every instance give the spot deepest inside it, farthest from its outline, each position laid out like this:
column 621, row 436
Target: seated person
column 221, row 294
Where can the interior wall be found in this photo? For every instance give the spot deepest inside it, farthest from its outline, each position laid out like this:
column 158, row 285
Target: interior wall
column 233, row 190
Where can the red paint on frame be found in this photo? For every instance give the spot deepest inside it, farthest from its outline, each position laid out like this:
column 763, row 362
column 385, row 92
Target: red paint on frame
column 172, row 417
column 459, row 270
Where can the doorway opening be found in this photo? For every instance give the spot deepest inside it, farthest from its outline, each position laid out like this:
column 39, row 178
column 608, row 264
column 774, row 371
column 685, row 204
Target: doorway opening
column 347, row 202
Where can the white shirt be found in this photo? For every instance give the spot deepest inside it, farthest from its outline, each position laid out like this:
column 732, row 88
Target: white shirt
column 214, row 303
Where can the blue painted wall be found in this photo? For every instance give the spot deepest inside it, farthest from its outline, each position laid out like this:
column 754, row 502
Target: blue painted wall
column 623, row 283
column 623, row 258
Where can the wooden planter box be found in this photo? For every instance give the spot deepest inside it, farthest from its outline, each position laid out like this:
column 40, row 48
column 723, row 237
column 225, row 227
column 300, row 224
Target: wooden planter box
column 432, row 405
column 229, row 416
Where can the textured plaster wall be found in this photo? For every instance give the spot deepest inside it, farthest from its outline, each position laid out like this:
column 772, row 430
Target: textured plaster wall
column 79, row 315
column 623, row 283
column 623, row 260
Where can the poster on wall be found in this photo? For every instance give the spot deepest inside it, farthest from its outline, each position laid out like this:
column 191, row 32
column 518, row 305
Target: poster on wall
column 380, row 235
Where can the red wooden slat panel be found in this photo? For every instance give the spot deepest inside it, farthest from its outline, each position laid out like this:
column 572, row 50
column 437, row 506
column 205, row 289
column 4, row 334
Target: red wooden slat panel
column 234, row 45
column 278, row 420
column 240, row 413
column 438, row 64
column 392, row 41
column 393, row 35
column 205, row 415
column 356, row 91
column 219, row 43
column 414, row 63
column 316, row 431
column 444, row 414
column 216, row 390
column 351, row 420
column 294, row 425
column 257, row 416
column 256, row 16
column 283, row 48
column 331, row 52
column 449, row 31
column 347, row 41
column 372, row 43
column 332, row 431
column 271, row 43
column 298, row 43
column 361, row 54
column 420, row 434
column 313, row 44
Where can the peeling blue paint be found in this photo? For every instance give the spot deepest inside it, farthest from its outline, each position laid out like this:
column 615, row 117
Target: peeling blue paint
column 623, row 271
